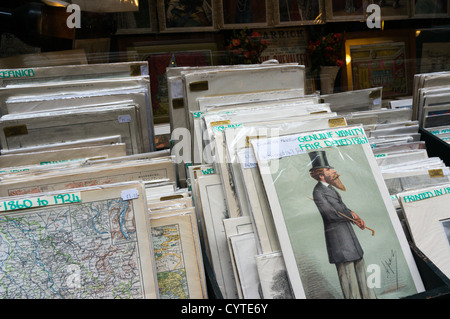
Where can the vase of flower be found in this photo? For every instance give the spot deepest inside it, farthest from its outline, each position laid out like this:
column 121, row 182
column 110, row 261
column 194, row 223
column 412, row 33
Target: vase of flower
column 326, row 54
column 328, row 76
column 245, row 47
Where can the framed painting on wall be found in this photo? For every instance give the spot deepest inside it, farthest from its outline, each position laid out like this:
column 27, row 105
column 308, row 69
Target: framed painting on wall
column 295, row 12
column 345, row 10
column 235, row 14
column 380, row 61
column 431, row 8
column 394, row 9
column 433, row 50
column 142, row 21
column 186, row 15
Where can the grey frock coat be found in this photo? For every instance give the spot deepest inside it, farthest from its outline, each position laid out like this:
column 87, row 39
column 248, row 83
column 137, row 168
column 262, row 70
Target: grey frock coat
column 342, row 243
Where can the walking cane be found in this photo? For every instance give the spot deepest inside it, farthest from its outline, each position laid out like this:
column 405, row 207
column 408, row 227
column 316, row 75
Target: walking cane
column 373, row 232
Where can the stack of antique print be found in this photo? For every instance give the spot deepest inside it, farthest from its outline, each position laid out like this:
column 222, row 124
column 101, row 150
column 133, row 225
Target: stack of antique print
column 431, row 103
column 78, row 167
column 258, row 161
column 267, row 192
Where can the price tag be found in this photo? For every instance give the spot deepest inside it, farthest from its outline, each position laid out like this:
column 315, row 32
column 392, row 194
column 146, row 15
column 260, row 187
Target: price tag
column 124, row 119
column 130, row 194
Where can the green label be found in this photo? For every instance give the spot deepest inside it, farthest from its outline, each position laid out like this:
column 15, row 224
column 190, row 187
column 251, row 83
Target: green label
column 41, row 201
column 17, row 73
column 425, row 195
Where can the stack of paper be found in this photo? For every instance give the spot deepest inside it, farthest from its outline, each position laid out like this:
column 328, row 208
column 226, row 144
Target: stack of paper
column 431, row 103
column 79, row 97
column 249, row 174
column 78, row 166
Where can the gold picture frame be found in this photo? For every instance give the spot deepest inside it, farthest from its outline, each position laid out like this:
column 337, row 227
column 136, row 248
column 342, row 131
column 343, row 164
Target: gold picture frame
column 176, row 17
column 238, row 14
column 295, row 12
column 391, row 62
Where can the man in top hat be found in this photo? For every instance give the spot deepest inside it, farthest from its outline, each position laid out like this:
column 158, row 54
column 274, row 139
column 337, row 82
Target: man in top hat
column 343, row 247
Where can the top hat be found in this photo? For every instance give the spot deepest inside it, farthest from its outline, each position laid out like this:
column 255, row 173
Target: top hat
column 319, row 160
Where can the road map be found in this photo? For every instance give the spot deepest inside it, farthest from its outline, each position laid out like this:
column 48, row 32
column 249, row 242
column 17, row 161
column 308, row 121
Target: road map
column 170, row 268
column 86, row 250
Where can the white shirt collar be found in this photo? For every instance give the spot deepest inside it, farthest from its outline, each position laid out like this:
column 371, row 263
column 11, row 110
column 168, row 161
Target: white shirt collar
column 325, row 184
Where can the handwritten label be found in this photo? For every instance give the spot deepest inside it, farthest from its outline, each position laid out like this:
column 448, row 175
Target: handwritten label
column 130, row 194
column 42, row 201
column 380, row 155
column 176, row 89
column 247, row 158
column 208, row 171
column 439, row 132
column 197, row 114
column 17, row 73
column 124, row 118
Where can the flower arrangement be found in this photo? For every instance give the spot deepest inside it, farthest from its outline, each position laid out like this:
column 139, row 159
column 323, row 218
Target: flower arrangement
column 327, row 50
column 245, row 47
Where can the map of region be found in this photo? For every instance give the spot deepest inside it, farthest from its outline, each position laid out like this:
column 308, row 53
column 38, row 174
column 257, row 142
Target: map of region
column 86, row 250
column 171, row 272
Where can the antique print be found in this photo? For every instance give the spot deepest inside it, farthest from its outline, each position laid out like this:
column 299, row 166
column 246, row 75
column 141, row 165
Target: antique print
column 433, row 8
column 138, row 21
column 185, row 15
column 72, row 250
column 244, row 13
column 393, row 9
column 338, row 229
column 335, row 226
column 177, row 259
column 435, row 57
column 345, row 10
column 376, row 65
column 295, row 11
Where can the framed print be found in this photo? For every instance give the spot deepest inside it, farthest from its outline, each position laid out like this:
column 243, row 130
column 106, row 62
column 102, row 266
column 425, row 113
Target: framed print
column 331, row 208
column 344, row 10
column 376, row 65
column 186, row 15
column 431, row 8
column 142, row 21
column 235, row 14
column 394, row 9
column 295, row 12
column 378, row 61
column 433, row 50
